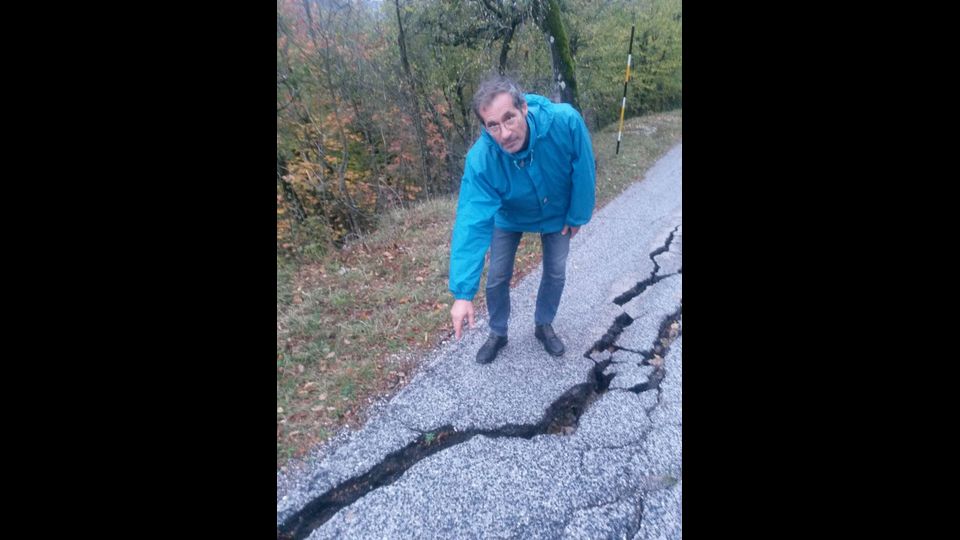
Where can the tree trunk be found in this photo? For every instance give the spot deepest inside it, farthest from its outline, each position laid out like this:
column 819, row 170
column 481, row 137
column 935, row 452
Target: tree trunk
column 293, row 200
column 505, row 46
column 415, row 101
column 467, row 119
column 563, row 73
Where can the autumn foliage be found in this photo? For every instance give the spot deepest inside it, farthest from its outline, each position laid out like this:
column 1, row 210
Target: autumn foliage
column 373, row 99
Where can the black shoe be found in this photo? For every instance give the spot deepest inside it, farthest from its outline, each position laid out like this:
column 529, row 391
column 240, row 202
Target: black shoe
column 489, row 350
column 549, row 338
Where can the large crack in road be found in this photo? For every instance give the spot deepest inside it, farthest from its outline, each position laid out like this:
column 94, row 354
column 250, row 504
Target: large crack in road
column 641, row 286
column 561, row 418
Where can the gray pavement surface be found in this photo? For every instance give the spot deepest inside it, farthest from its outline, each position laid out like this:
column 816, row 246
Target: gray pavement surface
column 616, row 473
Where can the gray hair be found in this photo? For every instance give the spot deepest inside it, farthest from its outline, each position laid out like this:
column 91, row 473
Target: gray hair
column 492, row 87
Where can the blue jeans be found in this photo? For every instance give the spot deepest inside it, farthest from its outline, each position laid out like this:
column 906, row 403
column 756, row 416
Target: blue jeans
column 503, row 250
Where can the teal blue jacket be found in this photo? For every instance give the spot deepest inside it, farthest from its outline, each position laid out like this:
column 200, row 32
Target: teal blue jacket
column 540, row 189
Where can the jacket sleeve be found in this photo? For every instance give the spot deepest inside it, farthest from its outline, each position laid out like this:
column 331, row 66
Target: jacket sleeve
column 472, row 232
column 582, row 195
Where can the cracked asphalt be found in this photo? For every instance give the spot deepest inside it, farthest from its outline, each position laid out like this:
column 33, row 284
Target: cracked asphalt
column 615, row 473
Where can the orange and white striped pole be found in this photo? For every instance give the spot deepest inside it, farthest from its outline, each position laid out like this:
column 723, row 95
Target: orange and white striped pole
column 623, row 103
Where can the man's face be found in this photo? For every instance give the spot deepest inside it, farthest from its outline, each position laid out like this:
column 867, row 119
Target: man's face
column 505, row 123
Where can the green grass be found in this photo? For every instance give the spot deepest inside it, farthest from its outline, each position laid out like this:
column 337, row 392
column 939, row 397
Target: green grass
column 285, row 275
column 644, row 140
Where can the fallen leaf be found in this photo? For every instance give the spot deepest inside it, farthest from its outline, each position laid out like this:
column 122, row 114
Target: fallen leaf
column 280, row 409
column 300, row 368
column 331, row 355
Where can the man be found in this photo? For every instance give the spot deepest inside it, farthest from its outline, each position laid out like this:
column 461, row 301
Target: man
column 531, row 170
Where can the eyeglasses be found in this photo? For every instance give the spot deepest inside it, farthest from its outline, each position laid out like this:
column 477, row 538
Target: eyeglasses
column 510, row 123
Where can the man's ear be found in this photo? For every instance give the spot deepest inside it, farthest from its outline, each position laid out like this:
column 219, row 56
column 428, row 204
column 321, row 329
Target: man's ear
column 523, row 110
